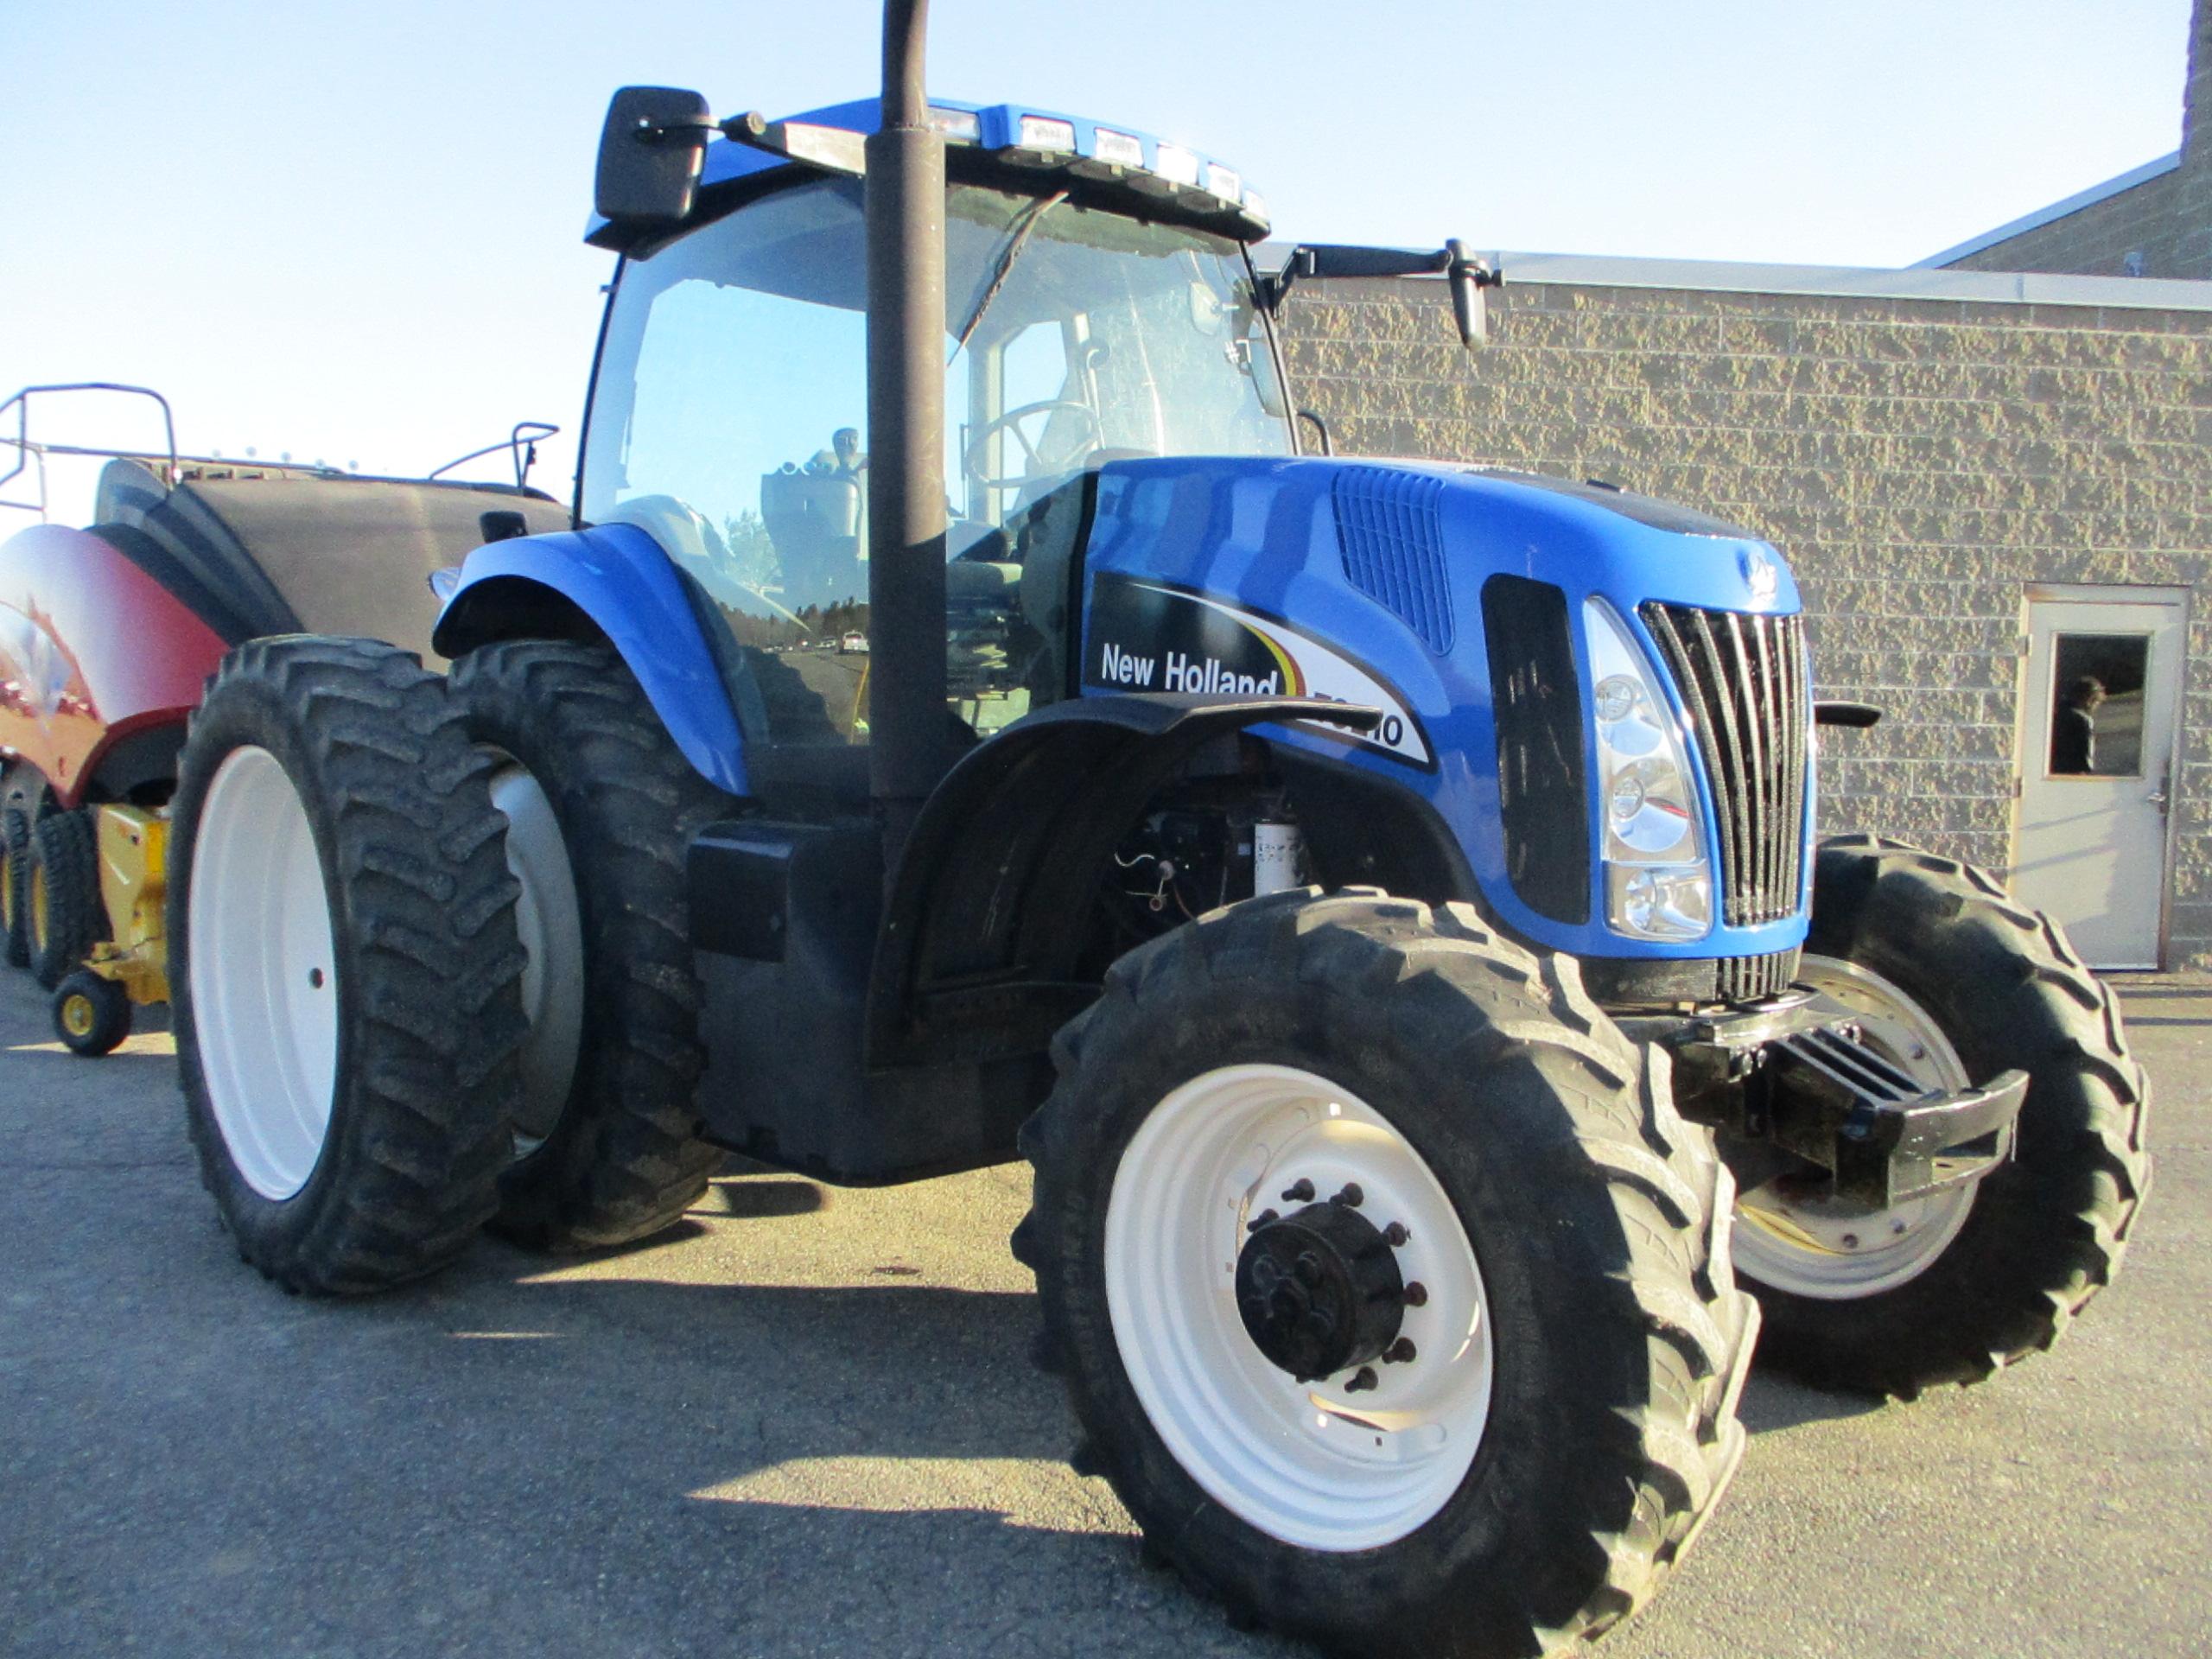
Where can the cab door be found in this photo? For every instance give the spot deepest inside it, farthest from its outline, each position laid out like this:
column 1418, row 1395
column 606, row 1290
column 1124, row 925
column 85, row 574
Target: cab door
column 2098, row 720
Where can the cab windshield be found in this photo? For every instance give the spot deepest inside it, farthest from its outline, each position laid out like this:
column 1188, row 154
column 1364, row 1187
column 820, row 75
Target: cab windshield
column 729, row 420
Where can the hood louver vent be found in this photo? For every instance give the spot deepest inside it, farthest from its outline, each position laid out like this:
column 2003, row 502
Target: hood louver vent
column 1390, row 528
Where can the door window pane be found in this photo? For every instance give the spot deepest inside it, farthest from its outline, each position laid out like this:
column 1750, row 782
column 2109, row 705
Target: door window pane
column 2096, row 712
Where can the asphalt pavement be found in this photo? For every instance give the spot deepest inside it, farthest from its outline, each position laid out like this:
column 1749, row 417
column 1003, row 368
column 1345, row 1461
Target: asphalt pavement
column 804, row 1423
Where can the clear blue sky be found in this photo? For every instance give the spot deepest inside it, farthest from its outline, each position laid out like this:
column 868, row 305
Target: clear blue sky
column 351, row 230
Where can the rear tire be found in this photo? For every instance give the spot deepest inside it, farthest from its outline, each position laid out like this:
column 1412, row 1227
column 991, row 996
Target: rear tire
column 63, row 916
column 2008, row 1263
column 1566, row 1419
column 343, row 964
column 91, row 1014
column 608, row 1149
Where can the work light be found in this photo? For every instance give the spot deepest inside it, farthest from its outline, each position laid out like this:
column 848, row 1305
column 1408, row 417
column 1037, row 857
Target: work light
column 1658, row 880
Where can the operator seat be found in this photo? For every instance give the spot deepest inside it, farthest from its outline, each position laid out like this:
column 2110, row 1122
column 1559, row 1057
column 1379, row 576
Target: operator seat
column 273, row 550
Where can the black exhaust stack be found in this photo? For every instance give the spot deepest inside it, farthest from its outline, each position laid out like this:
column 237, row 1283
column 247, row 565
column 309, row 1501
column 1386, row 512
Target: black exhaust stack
column 908, row 736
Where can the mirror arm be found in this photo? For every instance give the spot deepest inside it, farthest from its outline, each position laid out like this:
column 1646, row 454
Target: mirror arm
column 1272, row 289
column 659, row 132
column 1468, row 274
column 827, row 149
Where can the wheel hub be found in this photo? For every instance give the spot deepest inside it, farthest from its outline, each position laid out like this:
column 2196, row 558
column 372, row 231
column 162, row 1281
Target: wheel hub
column 1319, row 1291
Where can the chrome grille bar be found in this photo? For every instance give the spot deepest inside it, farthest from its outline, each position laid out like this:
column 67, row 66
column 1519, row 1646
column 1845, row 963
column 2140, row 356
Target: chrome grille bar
column 1743, row 680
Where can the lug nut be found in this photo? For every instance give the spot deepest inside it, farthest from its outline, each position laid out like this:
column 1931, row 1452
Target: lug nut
column 1299, row 1192
column 1352, row 1198
column 1851, row 1241
column 1364, row 1378
column 1395, row 1234
column 1416, row 1294
column 1401, row 1352
column 1260, row 1221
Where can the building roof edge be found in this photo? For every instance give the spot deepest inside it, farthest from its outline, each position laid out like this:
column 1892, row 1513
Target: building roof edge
column 1912, row 282
column 2057, row 210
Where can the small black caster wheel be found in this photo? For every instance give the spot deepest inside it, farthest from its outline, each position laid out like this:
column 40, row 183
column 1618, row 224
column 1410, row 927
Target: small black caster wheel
column 91, row 1015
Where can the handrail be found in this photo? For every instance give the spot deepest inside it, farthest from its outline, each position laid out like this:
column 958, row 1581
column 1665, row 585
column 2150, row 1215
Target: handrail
column 523, row 441
column 27, row 452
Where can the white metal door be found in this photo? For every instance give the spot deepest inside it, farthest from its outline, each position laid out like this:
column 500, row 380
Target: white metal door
column 2098, row 716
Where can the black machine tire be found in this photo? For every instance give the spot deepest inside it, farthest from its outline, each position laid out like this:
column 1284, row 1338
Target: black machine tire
column 92, row 1013
column 2048, row 1228
column 623, row 1159
column 403, row 850
column 63, row 917
column 14, row 863
column 1598, row 1218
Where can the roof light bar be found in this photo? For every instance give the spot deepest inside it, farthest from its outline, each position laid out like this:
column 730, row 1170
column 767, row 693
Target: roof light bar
column 1045, row 132
column 1175, row 164
column 1121, row 148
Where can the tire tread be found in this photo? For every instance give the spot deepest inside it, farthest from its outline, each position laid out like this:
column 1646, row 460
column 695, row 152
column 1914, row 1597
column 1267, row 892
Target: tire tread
column 1660, row 1179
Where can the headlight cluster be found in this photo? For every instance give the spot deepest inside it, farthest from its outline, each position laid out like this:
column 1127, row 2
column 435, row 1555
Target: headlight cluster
column 1658, row 880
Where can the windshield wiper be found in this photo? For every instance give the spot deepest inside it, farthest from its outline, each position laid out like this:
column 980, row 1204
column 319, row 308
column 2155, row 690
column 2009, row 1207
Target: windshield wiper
column 1014, row 243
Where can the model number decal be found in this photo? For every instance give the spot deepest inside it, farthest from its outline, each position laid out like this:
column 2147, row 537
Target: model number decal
column 1145, row 636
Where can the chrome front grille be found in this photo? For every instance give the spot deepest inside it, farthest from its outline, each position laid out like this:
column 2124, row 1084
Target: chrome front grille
column 1745, row 979
column 1743, row 679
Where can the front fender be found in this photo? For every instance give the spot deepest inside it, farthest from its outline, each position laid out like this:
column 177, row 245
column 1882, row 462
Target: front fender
column 982, row 925
column 620, row 579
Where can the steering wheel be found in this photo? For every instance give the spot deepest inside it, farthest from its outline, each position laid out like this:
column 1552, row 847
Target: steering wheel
column 1038, row 461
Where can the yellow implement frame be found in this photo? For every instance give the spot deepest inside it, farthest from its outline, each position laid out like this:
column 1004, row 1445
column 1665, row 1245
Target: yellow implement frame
column 134, row 881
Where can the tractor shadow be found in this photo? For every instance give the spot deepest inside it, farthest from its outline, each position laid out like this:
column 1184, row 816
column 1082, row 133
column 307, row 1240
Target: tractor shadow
column 883, row 1455
column 2154, row 1004
column 1773, row 1403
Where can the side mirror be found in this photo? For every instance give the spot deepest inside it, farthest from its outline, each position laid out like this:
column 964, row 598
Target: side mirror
column 1469, row 278
column 649, row 154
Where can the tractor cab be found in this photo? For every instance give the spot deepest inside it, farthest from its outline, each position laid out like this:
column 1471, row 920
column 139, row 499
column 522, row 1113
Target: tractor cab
column 1085, row 320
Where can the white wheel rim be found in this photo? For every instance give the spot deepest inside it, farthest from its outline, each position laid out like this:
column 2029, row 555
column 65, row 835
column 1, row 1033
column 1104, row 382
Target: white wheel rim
column 551, row 928
column 265, row 974
column 1308, row 1463
column 1835, row 1252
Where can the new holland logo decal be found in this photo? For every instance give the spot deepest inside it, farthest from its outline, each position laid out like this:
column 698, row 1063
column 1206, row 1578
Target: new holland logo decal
column 1146, row 636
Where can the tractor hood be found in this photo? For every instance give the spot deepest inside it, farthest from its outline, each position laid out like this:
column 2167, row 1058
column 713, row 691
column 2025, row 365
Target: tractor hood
column 1372, row 582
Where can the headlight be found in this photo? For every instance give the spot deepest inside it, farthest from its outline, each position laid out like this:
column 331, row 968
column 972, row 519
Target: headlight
column 1658, row 880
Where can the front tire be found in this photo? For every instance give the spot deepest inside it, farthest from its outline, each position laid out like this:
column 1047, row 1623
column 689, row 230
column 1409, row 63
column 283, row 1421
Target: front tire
column 343, row 964
column 92, row 1013
column 601, row 807
column 1528, row 1466
column 1956, row 984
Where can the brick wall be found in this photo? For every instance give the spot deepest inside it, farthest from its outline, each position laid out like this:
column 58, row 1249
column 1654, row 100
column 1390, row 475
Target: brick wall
column 2147, row 219
column 1919, row 461
column 2194, row 202
column 2168, row 220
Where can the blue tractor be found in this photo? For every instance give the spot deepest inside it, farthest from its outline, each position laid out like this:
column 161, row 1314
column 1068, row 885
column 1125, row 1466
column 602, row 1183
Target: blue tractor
column 1379, row 898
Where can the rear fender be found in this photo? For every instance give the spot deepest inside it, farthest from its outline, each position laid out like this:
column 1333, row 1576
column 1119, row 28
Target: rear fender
column 93, row 650
column 616, row 579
